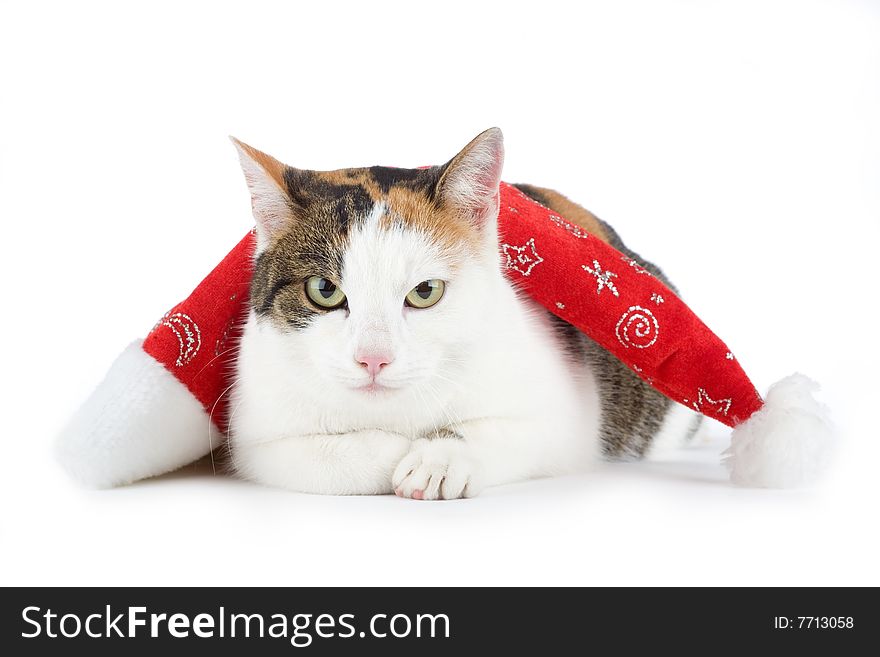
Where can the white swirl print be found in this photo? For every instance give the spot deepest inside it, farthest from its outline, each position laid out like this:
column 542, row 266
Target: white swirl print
column 637, row 328
column 188, row 335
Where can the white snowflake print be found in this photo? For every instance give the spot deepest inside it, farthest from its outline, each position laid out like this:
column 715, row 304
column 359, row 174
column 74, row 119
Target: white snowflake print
column 729, row 356
column 603, row 278
column 656, row 298
column 705, row 403
column 522, row 258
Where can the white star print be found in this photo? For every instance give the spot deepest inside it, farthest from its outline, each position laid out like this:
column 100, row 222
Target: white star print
column 719, row 406
column 519, row 258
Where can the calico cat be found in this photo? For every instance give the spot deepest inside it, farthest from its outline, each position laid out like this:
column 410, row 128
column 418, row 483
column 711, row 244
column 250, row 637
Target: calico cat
column 385, row 351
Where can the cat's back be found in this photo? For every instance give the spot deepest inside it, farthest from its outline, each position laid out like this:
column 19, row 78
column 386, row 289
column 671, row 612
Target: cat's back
column 634, row 414
column 579, row 215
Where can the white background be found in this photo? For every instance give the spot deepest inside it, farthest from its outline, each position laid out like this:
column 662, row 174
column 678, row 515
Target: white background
column 735, row 144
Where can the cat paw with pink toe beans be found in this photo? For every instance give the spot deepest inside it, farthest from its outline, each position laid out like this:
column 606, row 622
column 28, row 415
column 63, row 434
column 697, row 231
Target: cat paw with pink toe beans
column 436, row 469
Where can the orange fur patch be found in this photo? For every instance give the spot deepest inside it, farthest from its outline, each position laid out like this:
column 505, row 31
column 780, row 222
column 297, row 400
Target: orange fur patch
column 353, row 176
column 421, row 214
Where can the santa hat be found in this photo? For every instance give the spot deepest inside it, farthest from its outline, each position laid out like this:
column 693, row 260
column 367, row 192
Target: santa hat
column 164, row 401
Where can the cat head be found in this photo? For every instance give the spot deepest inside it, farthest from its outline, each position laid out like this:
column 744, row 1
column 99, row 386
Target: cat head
column 376, row 280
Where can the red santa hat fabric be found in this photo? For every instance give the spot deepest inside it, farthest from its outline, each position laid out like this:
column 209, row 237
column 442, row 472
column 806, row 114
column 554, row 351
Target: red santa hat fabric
column 573, row 274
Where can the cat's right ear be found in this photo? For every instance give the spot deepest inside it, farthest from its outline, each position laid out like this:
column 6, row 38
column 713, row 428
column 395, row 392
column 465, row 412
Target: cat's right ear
column 272, row 207
column 469, row 182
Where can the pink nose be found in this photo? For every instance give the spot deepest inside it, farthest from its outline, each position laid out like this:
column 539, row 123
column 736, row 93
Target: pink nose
column 373, row 362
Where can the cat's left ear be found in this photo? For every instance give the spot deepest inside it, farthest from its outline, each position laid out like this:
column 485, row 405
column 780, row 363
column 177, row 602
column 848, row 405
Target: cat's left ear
column 469, row 183
column 272, row 206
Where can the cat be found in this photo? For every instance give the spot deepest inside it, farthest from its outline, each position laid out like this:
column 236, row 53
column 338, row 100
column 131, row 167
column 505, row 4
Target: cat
column 385, row 351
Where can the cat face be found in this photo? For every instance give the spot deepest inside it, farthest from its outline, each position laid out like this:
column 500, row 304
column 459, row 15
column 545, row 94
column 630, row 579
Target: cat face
column 371, row 282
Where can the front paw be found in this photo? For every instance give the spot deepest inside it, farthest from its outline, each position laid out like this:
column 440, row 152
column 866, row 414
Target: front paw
column 436, row 469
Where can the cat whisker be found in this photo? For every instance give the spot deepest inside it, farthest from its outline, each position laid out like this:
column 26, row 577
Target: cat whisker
column 228, row 440
column 444, row 408
column 211, row 424
column 220, row 355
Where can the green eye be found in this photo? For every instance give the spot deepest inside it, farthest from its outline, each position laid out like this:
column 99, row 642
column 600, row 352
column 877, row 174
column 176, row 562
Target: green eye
column 426, row 293
column 324, row 293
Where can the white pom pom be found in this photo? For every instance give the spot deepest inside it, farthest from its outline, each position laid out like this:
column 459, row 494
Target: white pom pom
column 785, row 444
